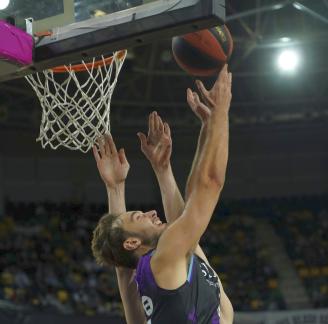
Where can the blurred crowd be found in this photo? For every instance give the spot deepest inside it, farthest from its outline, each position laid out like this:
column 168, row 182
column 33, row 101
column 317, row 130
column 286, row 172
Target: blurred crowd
column 46, row 260
column 305, row 236
column 242, row 264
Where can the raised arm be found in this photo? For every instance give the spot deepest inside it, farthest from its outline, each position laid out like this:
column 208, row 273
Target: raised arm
column 203, row 112
column 208, row 174
column 113, row 168
column 157, row 147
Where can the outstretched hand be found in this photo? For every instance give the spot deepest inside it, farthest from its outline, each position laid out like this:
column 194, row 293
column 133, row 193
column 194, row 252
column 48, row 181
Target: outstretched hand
column 157, row 145
column 218, row 98
column 112, row 165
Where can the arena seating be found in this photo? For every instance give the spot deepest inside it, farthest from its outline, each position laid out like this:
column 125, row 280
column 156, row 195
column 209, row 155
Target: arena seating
column 250, row 282
column 304, row 232
column 46, row 259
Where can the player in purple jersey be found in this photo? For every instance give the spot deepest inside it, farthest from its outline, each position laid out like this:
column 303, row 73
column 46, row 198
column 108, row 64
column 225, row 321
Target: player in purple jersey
column 176, row 282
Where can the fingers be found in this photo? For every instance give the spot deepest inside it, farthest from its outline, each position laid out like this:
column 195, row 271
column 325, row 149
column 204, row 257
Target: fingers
column 224, row 72
column 199, row 104
column 197, row 100
column 151, row 124
column 223, row 77
column 157, row 121
column 225, row 80
column 204, row 93
column 101, row 144
column 159, row 124
column 106, row 144
column 143, row 141
column 111, row 144
column 230, row 80
column 155, row 124
column 202, row 110
column 191, row 100
column 122, row 156
column 167, row 129
column 96, row 153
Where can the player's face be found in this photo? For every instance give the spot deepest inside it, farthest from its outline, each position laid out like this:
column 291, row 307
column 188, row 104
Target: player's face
column 147, row 225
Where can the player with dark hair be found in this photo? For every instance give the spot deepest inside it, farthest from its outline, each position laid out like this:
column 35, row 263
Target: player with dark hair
column 173, row 278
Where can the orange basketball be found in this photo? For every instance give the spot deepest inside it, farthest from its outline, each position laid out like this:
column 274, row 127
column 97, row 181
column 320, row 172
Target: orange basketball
column 205, row 52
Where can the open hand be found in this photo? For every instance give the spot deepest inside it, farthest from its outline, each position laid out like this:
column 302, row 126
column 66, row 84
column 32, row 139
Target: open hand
column 112, row 165
column 219, row 97
column 157, row 146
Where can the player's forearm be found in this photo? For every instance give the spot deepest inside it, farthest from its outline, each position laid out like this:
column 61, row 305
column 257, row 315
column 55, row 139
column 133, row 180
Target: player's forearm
column 130, row 296
column 116, row 199
column 191, row 177
column 125, row 277
column 213, row 160
column 171, row 196
column 208, row 183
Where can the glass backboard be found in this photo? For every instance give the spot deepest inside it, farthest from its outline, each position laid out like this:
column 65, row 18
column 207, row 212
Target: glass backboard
column 48, row 14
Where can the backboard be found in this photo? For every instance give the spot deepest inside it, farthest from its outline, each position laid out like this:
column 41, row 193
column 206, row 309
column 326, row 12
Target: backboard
column 89, row 28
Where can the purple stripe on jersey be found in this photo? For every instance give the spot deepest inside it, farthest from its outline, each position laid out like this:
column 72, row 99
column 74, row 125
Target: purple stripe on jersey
column 192, row 316
column 215, row 318
column 144, row 273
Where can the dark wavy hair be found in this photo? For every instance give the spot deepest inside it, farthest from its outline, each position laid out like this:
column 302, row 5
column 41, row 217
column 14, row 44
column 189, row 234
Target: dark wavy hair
column 107, row 243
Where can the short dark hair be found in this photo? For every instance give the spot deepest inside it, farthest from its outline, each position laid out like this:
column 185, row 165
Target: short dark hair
column 107, row 243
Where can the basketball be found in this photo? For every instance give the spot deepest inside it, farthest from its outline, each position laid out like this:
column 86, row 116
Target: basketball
column 203, row 53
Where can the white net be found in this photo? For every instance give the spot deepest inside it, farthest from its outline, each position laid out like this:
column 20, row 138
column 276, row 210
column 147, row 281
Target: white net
column 76, row 105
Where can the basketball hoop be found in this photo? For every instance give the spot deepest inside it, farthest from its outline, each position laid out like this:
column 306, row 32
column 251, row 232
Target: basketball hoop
column 75, row 101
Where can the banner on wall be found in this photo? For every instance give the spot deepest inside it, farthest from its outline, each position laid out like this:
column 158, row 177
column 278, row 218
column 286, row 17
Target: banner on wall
column 319, row 316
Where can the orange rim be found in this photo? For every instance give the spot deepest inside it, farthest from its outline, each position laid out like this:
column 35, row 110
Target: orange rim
column 87, row 66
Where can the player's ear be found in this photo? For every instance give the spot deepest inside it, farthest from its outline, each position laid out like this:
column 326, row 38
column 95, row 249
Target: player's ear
column 131, row 243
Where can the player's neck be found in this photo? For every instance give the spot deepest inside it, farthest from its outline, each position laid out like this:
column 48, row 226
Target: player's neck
column 144, row 249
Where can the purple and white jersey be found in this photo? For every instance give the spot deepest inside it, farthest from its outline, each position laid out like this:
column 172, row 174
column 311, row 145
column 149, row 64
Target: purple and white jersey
column 196, row 301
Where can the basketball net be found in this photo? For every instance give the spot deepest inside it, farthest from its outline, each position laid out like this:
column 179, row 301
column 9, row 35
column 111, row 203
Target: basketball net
column 75, row 105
